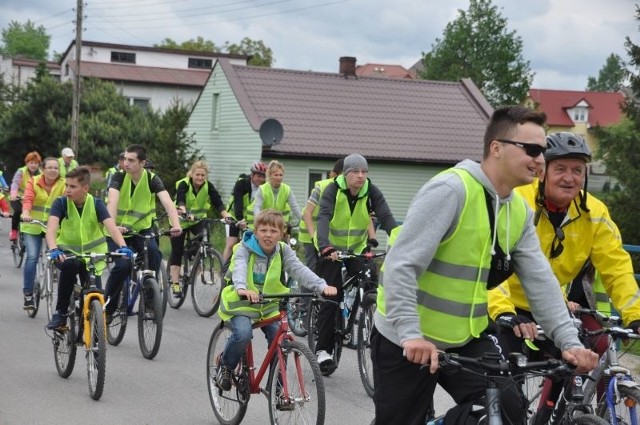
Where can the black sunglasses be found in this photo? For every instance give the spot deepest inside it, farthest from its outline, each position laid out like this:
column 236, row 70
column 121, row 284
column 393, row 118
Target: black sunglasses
column 556, row 250
column 531, row 149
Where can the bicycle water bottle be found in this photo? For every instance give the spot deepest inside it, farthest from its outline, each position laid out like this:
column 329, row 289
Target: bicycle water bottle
column 350, row 297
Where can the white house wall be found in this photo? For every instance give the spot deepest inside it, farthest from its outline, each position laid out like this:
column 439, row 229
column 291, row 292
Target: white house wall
column 160, row 97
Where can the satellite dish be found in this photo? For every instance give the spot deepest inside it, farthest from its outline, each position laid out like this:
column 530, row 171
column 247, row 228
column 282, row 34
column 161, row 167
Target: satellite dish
column 271, row 132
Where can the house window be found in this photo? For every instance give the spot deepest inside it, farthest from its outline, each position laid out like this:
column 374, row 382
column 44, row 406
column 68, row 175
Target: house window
column 200, row 63
column 139, row 102
column 123, row 57
column 215, row 111
column 579, row 114
column 314, row 177
column 66, row 69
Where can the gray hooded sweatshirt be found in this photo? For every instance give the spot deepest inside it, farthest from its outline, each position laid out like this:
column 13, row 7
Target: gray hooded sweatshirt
column 433, row 215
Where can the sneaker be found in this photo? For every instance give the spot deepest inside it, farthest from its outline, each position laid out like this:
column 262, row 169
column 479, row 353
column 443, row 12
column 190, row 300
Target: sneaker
column 28, row 302
column 176, row 290
column 224, row 378
column 13, row 236
column 324, row 358
column 58, row 321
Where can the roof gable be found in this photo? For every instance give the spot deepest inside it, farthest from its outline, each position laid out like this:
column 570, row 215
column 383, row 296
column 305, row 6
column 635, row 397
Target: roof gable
column 604, row 107
column 328, row 115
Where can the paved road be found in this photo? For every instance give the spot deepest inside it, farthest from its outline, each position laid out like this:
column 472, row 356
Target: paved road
column 171, row 389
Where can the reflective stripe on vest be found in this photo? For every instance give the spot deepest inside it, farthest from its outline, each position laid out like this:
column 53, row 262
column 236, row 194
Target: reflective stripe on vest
column 304, row 235
column 230, row 302
column 281, row 203
column 41, row 206
column 197, row 205
column 452, row 293
column 82, row 234
column 136, row 211
column 348, row 230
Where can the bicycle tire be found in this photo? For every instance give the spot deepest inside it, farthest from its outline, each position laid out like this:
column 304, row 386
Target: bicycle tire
column 306, row 401
column 149, row 318
column 295, row 317
column 176, row 302
column 51, row 283
column 64, row 347
column 229, row 407
column 97, row 352
column 163, row 285
column 628, row 396
column 587, row 419
column 365, row 325
column 118, row 326
column 18, row 249
column 207, row 282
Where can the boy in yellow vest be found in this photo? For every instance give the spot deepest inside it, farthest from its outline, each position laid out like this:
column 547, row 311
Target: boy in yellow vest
column 257, row 266
column 75, row 225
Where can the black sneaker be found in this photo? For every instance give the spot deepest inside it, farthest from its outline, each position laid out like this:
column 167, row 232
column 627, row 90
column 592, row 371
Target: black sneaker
column 224, row 378
column 58, row 322
column 28, row 302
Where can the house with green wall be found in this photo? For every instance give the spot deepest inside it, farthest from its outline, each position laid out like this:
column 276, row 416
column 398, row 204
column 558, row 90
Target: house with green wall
column 409, row 130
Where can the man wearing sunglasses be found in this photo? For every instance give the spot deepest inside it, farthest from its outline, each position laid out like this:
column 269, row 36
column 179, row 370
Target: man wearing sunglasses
column 465, row 231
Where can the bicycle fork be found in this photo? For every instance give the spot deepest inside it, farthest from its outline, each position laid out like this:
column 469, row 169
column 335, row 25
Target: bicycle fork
column 87, row 299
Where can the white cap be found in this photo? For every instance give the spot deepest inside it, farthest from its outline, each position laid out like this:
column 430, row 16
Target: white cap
column 67, row 152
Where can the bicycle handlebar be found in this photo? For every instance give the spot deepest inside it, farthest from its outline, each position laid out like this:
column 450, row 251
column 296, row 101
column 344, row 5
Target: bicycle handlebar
column 614, row 324
column 366, row 255
column 494, row 363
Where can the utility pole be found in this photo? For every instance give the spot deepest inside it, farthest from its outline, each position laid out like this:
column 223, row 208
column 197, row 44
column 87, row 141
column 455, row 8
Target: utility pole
column 75, row 111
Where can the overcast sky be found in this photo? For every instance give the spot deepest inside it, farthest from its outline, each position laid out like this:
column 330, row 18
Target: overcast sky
column 566, row 41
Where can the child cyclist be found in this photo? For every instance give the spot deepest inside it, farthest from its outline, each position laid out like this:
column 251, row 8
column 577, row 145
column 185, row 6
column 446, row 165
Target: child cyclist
column 75, row 224
column 257, row 266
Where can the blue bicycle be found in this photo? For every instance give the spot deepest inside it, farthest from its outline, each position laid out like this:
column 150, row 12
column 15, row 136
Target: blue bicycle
column 141, row 288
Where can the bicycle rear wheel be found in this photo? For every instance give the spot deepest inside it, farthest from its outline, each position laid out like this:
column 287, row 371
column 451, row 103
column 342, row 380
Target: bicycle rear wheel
column 150, row 318
column 626, row 406
column 229, row 407
column 206, row 284
column 365, row 325
column 97, row 352
column 118, row 326
column 296, row 389
column 176, row 302
column 64, row 347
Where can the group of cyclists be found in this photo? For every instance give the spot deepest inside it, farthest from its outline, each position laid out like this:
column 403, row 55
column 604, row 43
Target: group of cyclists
column 516, row 237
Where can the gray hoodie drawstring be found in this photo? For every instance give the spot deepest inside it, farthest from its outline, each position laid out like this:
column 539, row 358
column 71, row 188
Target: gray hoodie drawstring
column 495, row 228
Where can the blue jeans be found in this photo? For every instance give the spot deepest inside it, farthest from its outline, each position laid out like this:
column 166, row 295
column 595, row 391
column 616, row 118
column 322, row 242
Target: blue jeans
column 33, row 244
column 240, row 338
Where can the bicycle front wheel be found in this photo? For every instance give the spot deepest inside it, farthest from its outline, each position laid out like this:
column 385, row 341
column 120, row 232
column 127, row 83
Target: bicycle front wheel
column 97, row 351
column 18, row 250
column 626, row 407
column 312, row 336
column 163, row 285
column 365, row 325
column 33, row 312
column 51, row 288
column 229, row 407
column 118, row 326
column 150, row 318
column 64, row 348
column 206, row 284
column 296, row 389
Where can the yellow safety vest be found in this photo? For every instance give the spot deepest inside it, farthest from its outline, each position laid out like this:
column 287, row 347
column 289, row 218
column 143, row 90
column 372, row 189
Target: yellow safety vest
column 63, row 168
column 136, row 211
column 304, row 235
column 452, row 293
column 197, row 205
column 230, row 302
column 41, row 206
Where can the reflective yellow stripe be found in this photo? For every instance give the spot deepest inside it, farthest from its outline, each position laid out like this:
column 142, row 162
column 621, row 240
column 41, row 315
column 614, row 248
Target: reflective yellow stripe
column 452, row 307
column 457, row 271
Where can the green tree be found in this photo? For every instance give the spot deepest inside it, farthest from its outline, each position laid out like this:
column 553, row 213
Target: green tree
column 197, row 45
column 25, row 40
column 261, row 55
column 478, row 45
column 618, row 149
column 611, row 76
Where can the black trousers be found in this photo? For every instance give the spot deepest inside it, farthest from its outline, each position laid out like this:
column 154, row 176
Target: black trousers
column 404, row 390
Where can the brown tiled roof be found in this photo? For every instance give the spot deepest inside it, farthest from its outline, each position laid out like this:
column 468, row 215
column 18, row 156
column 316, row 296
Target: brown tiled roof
column 143, row 74
column 381, row 70
column 326, row 115
column 20, row 61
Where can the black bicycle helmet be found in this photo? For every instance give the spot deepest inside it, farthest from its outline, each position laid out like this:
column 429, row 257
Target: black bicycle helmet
column 566, row 145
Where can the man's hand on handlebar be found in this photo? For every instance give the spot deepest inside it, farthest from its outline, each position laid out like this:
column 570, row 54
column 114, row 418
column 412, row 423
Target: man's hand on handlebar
column 582, row 358
column 421, row 351
column 330, row 291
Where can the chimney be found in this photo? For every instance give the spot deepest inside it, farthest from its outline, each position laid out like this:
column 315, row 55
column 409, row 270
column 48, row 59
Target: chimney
column 348, row 66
